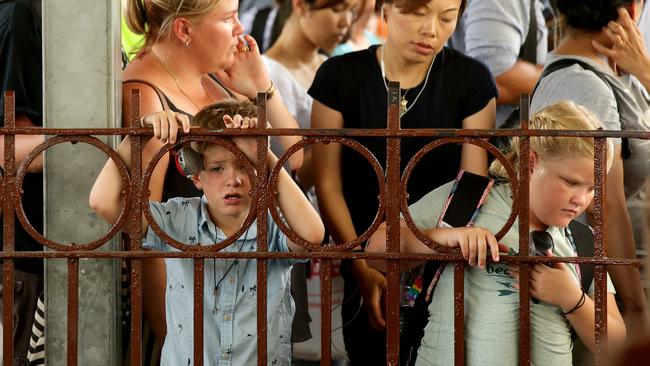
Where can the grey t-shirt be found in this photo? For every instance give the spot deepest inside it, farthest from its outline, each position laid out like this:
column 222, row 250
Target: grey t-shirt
column 493, row 32
column 585, row 88
column 491, row 301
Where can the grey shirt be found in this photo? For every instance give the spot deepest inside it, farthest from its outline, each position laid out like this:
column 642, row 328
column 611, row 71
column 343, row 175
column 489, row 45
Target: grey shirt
column 622, row 94
column 493, row 32
column 491, row 300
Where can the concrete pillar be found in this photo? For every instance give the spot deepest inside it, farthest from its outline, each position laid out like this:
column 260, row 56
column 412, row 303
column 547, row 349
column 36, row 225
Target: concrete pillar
column 82, row 86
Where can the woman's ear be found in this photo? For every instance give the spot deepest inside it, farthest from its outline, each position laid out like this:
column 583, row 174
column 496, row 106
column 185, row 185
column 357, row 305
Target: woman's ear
column 634, row 9
column 299, row 7
column 181, row 30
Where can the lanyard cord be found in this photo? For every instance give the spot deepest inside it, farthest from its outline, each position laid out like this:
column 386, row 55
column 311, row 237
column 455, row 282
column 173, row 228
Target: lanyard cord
column 214, row 271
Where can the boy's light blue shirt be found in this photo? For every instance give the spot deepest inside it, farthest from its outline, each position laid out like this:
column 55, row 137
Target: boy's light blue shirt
column 230, row 315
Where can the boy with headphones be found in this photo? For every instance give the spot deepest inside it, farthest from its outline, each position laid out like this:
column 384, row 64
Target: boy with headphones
column 230, row 285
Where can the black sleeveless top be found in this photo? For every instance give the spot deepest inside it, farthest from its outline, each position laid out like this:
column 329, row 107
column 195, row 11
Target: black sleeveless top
column 176, row 184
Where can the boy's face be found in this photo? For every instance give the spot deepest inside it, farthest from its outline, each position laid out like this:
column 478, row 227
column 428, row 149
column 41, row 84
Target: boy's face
column 560, row 190
column 225, row 183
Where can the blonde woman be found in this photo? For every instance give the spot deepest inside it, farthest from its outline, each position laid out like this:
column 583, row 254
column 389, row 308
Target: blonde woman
column 194, row 54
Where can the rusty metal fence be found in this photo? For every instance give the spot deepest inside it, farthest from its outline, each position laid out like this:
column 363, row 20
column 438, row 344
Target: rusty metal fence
column 392, row 203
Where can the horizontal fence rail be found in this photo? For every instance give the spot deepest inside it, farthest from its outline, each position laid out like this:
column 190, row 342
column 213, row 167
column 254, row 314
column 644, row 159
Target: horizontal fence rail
column 392, row 204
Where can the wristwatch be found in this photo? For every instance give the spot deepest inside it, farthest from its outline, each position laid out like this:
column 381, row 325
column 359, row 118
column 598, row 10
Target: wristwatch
column 270, row 92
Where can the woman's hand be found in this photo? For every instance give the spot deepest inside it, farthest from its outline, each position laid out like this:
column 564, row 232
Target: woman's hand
column 165, row 125
column 474, row 243
column 248, row 145
column 247, row 75
column 372, row 285
column 628, row 48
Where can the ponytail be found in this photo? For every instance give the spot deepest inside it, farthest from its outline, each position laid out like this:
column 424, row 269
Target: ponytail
column 136, row 16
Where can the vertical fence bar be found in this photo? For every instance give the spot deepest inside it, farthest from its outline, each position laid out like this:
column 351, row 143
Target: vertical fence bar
column 524, row 270
column 459, row 314
column 326, row 311
column 600, row 245
column 198, row 310
column 135, row 220
column 9, row 191
column 73, row 309
column 262, row 238
column 393, row 204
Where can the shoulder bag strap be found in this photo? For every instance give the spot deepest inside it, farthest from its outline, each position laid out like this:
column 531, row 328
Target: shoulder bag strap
column 528, row 51
column 584, row 242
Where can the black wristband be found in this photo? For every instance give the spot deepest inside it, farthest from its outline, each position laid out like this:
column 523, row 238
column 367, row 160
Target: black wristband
column 581, row 302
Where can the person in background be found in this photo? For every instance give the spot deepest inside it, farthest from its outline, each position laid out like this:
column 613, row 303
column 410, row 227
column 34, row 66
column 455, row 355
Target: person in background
column 22, row 72
column 440, row 89
column 265, row 21
column 292, row 61
column 363, row 32
column 603, row 35
column 495, row 32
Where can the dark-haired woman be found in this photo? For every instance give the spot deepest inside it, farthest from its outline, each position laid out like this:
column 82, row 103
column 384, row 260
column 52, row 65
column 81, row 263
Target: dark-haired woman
column 292, row 61
column 440, row 89
column 603, row 35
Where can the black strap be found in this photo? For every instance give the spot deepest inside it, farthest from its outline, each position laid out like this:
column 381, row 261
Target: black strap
column 583, row 238
column 259, row 26
column 216, row 80
column 528, row 51
column 564, row 63
column 163, row 98
column 513, row 119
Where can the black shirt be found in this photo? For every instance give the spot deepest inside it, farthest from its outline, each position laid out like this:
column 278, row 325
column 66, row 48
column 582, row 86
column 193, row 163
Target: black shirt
column 21, row 65
column 458, row 87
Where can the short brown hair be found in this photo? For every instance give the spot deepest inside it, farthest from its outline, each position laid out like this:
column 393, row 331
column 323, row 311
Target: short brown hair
column 211, row 117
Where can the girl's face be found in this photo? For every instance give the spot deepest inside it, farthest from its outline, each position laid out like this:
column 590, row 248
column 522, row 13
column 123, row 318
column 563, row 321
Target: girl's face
column 327, row 27
column 214, row 36
column 421, row 34
column 560, row 190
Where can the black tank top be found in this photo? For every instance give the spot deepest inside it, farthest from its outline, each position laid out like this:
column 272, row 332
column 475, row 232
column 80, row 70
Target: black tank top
column 176, row 184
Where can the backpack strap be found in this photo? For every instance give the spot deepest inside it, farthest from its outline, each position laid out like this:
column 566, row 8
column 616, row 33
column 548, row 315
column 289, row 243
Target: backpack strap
column 513, row 119
column 562, row 64
column 528, row 51
column 583, row 238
